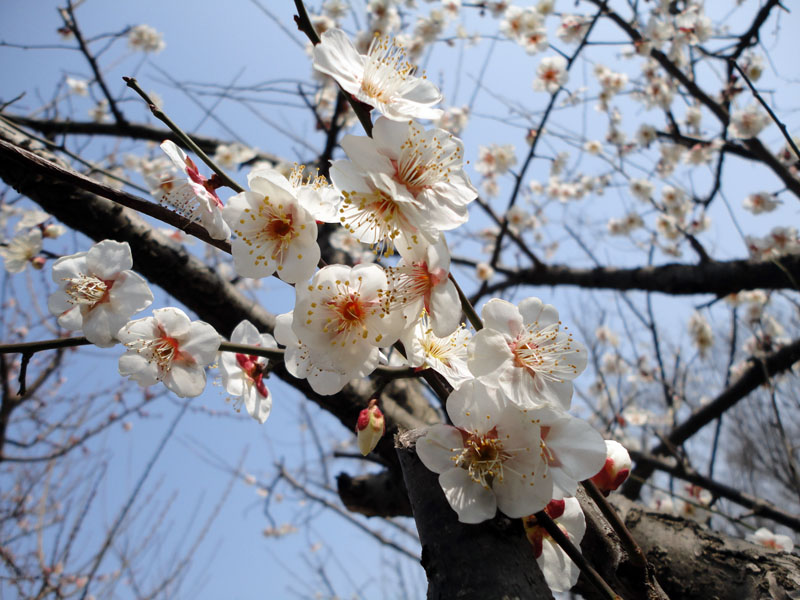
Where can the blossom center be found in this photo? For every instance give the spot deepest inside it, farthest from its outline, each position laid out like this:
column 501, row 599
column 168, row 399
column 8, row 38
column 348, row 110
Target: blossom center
column 254, row 370
column 542, row 352
column 87, row 290
column 483, row 457
column 385, row 70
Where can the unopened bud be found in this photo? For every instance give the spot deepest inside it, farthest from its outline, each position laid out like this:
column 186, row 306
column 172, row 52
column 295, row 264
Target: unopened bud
column 370, row 427
column 616, row 470
column 38, row 262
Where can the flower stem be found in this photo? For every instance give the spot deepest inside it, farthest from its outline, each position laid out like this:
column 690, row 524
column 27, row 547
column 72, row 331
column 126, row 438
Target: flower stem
column 575, row 555
column 184, row 137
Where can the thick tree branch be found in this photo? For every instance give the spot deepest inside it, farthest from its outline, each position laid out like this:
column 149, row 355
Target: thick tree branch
column 134, row 131
column 718, row 278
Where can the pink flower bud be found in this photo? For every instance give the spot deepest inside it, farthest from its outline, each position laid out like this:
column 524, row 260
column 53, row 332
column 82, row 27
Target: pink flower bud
column 370, row 427
column 616, row 470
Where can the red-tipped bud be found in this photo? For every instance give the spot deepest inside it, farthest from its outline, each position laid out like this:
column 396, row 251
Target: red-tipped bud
column 370, row 427
column 616, row 470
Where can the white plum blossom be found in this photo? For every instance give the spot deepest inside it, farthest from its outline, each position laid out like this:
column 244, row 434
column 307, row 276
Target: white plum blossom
column 402, row 185
column 768, row 539
column 343, row 313
column 273, row 232
column 319, row 367
column 701, row 333
column 79, row 87
column 484, row 271
column 243, row 374
column 454, row 119
column 191, row 195
column 145, row 38
column 421, row 281
column 21, row 250
column 445, row 355
column 527, row 353
column 761, row 202
column 490, row 459
column 642, row 189
column 747, row 123
column 572, row 29
column 495, row 159
column 551, row 74
column 97, row 291
column 559, row 571
column 383, row 79
column 169, row 348
column 230, row 156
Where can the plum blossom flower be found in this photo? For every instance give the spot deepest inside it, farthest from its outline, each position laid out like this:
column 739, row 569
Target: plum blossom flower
column 97, row 291
column 403, row 184
column 79, row 87
column 495, row 159
column 527, row 353
column 489, row 460
column 559, row 571
column 169, row 348
column 747, row 123
column 572, row 29
column 701, row 333
column 145, row 38
column 22, row 250
column 319, row 367
column 760, row 203
column 383, row 79
column 243, row 374
column 192, row 196
column 273, row 232
column 445, row 355
column 342, row 313
column 551, row 74
column 421, row 281
column 766, row 538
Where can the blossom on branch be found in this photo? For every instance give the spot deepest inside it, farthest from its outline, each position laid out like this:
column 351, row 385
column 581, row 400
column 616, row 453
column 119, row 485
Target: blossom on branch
column 559, row 571
column 192, row 196
column 527, row 353
column 403, row 185
column 421, row 282
column 551, row 74
column 318, row 366
column 382, row 78
column 490, row 459
column 445, row 355
column 243, row 374
column 273, row 232
column 342, row 316
column 170, row 348
column 97, row 291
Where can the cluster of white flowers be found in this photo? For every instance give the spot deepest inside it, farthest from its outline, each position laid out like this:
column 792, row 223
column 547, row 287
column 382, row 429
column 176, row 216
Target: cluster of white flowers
column 778, row 242
column 145, row 38
column 512, row 444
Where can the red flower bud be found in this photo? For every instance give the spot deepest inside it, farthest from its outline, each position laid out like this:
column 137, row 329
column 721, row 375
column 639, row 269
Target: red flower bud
column 370, row 427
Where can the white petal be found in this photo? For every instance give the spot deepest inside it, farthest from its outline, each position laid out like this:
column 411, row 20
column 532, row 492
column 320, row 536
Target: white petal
column 472, row 502
column 438, row 446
